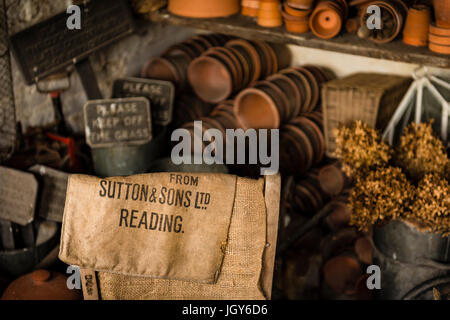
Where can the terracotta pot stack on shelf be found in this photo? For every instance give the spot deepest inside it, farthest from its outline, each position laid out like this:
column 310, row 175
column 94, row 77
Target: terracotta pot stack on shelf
column 222, row 71
column 282, row 97
column 174, row 62
column 439, row 33
column 417, row 24
column 296, row 15
column 250, row 8
column 269, row 14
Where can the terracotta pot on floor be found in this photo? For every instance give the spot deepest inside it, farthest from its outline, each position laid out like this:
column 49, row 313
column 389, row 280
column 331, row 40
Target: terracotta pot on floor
column 417, row 24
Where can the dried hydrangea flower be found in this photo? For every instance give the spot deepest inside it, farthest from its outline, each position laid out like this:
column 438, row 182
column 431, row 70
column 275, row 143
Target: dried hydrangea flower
column 421, row 152
column 360, row 148
column 383, row 194
column 432, row 204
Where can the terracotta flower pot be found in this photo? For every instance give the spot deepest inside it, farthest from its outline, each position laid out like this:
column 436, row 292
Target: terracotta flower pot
column 300, row 13
column 269, row 13
column 441, row 40
column 415, row 32
column 301, row 4
column 277, row 95
column 295, row 24
column 302, row 84
column 204, row 8
column 291, row 91
column 326, row 20
column 442, row 13
column 251, row 55
column 254, row 108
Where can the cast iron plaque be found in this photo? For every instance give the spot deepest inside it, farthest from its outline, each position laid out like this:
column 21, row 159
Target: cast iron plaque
column 50, row 46
column 18, row 192
column 113, row 122
column 52, row 197
column 160, row 93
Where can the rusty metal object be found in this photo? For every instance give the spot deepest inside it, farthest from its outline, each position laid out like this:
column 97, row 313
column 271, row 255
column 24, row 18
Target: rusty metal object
column 41, row 285
column 7, row 108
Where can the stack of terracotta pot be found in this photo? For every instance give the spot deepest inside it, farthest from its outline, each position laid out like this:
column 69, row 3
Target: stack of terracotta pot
column 222, row 117
column 250, row 8
column 328, row 17
column 302, row 144
column 415, row 32
column 269, row 14
column 222, row 71
column 296, row 15
column 280, row 98
column 305, row 196
column 174, row 62
column 439, row 36
column 189, row 108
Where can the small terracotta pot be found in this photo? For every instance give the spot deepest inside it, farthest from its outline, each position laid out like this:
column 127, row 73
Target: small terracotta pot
column 295, row 24
column 442, row 13
column 204, row 8
column 438, row 48
column 278, row 96
column 254, row 108
column 416, row 28
column 352, row 25
column 326, row 20
column 269, row 14
column 301, row 4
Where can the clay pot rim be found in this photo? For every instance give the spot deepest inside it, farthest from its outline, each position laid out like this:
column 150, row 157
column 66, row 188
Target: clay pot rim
column 230, row 59
column 224, row 59
column 440, row 40
column 292, row 141
column 167, row 63
column 280, row 99
column 264, row 57
column 291, row 18
column 315, row 90
column 305, row 192
column 337, row 180
column 253, row 54
column 320, row 139
column 318, row 198
column 229, row 78
column 245, row 66
column 439, row 48
column 300, row 6
column 305, row 85
column 295, row 12
column 439, row 31
column 307, row 147
column 271, row 104
column 298, row 98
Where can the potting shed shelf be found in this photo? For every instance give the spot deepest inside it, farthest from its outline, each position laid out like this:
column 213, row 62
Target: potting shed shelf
column 345, row 43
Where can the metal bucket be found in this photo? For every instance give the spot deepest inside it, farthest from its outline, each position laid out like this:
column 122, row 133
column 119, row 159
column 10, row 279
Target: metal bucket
column 412, row 262
column 20, row 261
column 128, row 160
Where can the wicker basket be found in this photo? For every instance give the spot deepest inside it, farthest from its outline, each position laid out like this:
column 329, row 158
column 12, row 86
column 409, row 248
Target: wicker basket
column 369, row 97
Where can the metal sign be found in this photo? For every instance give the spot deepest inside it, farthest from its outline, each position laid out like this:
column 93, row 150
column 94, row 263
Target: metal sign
column 49, row 46
column 52, row 197
column 18, row 192
column 113, row 122
column 160, row 93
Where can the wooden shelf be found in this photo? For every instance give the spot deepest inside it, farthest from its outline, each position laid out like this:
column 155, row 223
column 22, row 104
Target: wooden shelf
column 346, row 43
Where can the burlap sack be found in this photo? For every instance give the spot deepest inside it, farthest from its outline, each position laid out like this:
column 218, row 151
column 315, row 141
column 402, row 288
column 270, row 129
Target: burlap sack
column 241, row 266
